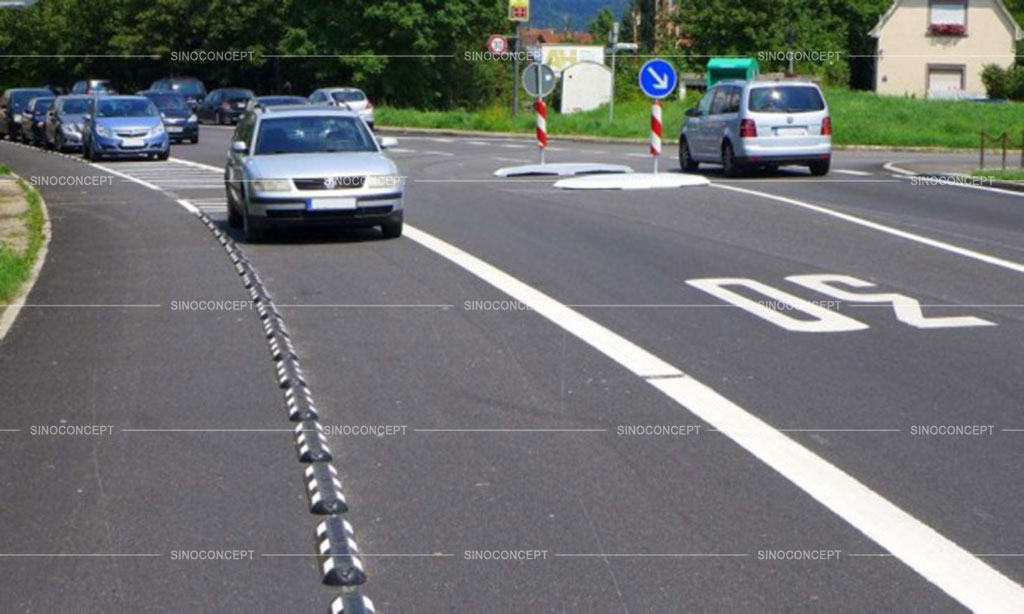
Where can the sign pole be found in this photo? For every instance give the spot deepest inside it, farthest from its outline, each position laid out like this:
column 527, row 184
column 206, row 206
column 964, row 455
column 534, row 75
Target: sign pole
column 656, row 133
column 515, row 69
column 542, row 127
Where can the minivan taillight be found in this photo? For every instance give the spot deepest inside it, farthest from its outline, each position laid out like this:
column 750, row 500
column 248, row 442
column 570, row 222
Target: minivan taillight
column 369, row 105
column 748, row 129
column 826, row 126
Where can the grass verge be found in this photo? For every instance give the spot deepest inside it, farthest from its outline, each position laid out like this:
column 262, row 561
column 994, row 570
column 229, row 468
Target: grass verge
column 1001, row 175
column 858, row 118
column 16, row 266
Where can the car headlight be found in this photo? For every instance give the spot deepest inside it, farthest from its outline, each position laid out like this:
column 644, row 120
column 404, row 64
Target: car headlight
column 383, row 181
column 103, row 130
column 272, row 185
column 192, row 119
column 17, row 118
column 157, row 130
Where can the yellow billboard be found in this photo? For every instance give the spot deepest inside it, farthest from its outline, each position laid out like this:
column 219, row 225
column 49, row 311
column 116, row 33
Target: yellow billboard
column 519, row 10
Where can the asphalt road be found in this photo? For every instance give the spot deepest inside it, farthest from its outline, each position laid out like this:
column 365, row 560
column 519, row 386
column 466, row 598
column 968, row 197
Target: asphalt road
column 512, row 384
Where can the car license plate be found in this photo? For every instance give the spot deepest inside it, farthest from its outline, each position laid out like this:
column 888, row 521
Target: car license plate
column 794, row 131
column 175, row 129
column 133, row 143
column 331, row 204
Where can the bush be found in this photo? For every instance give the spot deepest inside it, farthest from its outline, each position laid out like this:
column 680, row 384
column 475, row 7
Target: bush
column 1002, row 82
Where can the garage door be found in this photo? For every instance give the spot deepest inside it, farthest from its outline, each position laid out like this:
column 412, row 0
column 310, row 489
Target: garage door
column 945, row 80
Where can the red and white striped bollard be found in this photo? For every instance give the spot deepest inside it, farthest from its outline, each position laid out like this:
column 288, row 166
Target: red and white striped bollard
column 542, row 127
column 656, row 133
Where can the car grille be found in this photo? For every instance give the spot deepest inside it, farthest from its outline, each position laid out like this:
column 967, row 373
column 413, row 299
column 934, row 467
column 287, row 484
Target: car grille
column 133, row 133
column 330, row 183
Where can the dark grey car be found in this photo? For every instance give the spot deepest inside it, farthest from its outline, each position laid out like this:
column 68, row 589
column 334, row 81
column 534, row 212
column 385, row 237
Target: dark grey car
column 63, row 129
column 12, row 104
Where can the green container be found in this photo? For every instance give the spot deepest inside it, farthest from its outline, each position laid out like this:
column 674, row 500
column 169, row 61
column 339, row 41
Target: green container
column 732, row 68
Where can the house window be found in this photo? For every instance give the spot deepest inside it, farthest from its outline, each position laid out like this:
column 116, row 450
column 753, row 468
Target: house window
column 945, row 80
column 947, row 17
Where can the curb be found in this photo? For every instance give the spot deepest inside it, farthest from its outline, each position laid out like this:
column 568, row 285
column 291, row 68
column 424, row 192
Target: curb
column 582, row 138
column 10, row 314
column 1013, row 186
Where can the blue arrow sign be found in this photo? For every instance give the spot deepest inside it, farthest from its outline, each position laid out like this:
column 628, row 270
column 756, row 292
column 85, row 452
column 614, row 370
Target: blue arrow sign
column 657, row 78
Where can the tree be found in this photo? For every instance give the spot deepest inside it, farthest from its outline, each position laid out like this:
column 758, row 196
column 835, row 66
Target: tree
column 600, row 27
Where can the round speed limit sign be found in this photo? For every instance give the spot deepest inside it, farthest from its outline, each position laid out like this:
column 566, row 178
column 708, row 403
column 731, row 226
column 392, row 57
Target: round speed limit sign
column 497, row 44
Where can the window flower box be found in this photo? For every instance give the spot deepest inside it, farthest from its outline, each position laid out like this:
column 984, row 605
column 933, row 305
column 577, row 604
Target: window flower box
column 947, row 29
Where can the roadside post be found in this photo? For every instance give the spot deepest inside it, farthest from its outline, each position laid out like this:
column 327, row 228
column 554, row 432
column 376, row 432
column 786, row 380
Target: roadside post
column 539, row 81
column 518, row 12
column 657, row 80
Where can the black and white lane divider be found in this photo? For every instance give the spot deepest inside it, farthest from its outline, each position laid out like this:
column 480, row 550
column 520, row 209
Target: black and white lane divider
column 337, row 551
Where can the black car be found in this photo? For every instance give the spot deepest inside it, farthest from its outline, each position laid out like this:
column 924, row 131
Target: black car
column 33, row 119
column 97, row 87
column 64, row 122
column 224, row 106
column 190, row 88
column 12, row 104
column 179, row 120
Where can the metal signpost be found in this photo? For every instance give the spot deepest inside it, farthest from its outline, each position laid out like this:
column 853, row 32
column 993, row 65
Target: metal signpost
column 657, row 80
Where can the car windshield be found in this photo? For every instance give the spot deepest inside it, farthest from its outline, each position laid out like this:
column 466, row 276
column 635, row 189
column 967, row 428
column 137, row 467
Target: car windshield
column 188, row 88
column 319, row 134
column 75, row 106
column 20, row 99
column 351, row 96
column 43, row 105
column 786, row 99
column 168, row 102
column 100, row 86
column 125, row 107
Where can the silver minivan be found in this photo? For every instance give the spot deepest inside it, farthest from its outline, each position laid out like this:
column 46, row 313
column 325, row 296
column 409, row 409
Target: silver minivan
column 742, row 124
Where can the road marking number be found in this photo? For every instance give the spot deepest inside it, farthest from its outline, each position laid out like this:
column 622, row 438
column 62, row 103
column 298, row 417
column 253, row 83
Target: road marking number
column 783, row 307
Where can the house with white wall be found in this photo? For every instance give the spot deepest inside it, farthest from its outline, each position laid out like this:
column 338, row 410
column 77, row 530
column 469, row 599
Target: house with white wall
column 938, row 48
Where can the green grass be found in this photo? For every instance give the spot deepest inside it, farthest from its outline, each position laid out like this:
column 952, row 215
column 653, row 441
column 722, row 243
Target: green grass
column 858, row 118
column 1001, row 175
column 15, row 267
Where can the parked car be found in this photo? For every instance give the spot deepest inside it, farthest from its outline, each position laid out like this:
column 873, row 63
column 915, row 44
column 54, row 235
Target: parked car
column 124, row 126
column 224, row 106
column 349, row 98
column 33, row 119
column 63, row 130
column 12, row 104
column 314, row 165
column 264, row 102
column 97, row 87
column 741, row 124
column 190, row 88
column 179, row 120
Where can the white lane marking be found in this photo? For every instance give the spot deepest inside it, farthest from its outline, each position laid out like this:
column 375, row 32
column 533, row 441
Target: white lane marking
column 846, row 171
column 401, row 150
column 438, row 140
column 128, row 177
column 903, row 234
column 823, row 320
column 197, row 165
column 638, row 155
column 961, row 575
column 438, row 153
column 501, row 159
column 513, row 146
column 189, row 206
column 892, row 168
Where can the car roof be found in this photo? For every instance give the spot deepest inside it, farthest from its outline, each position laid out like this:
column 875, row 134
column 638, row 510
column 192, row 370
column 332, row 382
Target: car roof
column 342, row 89
column 303, row 110
column 120, row 97
column 766, row 82
column 30, row 89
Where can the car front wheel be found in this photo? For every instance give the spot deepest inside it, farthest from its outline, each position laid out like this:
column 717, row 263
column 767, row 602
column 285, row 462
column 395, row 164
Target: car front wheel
column 686, row 161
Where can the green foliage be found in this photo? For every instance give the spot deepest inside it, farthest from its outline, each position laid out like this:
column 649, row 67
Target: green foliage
column 15, row 266
column 1006, row 83
column 600, row 26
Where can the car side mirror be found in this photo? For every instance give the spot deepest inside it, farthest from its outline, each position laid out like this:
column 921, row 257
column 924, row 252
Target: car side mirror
column 239, row 147
column 87, row 117
column 388, row 142
column 693, row 112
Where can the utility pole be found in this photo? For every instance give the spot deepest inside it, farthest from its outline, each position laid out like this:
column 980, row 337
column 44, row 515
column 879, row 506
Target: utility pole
column 613, row 41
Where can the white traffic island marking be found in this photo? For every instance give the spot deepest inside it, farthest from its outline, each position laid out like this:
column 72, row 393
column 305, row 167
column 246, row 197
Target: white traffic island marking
column 561, row 169
column 633, row 181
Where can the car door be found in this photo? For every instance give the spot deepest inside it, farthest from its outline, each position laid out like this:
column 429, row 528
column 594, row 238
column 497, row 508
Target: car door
column 696, row 134
column 50, row 127
column 714, row 125
column 205, row 110
column 5, row 113
column 234, row 172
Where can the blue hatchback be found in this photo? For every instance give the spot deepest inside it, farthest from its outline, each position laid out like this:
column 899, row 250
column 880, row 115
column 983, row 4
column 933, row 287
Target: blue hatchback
column 122, row 127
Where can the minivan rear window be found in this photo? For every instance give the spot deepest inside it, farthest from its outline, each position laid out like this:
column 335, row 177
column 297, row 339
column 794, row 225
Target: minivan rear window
column 787, row 99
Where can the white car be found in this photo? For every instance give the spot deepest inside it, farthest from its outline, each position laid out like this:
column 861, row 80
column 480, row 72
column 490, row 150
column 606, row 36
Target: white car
column 350, row 98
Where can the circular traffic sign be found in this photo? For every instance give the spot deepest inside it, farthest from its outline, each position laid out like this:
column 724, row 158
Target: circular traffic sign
column 497, row 44
column 657, row 78
column 538, row 80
